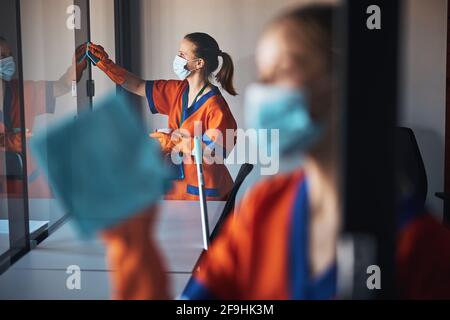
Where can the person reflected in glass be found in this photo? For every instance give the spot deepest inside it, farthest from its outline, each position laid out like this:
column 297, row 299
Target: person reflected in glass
column 39, row 98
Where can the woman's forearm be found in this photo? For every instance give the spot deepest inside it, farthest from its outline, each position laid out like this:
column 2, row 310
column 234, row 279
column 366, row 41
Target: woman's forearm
column 134, row 84
column 63, row 85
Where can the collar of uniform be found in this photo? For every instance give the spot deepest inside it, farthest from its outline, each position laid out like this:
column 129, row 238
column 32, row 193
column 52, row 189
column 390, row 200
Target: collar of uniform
column 303, row 286
column 187, row 112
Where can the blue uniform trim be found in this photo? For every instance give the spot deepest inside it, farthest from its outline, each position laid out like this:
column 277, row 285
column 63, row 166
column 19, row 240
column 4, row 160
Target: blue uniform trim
column 303, row 287
column 409, row 209
column 50, row 100
column 149, row 95
column 208, row 192
column 212, row 145
column 207, row 140
column 324, row 288
column 196, row 291
column 178, row 171
column 299, row 239
column 186, row 111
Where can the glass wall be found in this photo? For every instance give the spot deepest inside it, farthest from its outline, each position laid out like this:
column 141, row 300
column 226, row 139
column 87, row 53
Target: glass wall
column 54, row 83
column 13, row 213
column 43, row 78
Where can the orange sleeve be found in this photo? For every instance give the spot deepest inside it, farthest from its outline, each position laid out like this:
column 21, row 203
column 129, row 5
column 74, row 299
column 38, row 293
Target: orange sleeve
column 244, row 262
column 137, row 270
column 162, row 94
column 423, row 260
column 220, row 128
column 219, row 271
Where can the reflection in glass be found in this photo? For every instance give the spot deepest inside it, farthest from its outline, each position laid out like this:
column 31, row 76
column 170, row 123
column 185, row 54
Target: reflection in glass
column 12, row 213
column 50, row 69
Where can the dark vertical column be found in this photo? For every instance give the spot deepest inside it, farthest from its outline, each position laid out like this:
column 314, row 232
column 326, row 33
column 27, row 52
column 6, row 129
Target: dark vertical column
column 370, row 101
column 18, row 217
column 128, row 42
column 446, row 195
column 85, row 89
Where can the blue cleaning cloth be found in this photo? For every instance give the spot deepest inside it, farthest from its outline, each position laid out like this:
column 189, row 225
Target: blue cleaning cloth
column 102, row 166
column 90, row 56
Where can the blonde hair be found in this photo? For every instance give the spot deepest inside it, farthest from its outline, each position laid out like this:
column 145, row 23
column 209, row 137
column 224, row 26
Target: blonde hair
column 311, row 26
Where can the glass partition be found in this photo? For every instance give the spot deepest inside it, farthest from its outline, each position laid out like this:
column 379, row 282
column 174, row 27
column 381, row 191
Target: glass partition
column 54, row 83
column 13, row 211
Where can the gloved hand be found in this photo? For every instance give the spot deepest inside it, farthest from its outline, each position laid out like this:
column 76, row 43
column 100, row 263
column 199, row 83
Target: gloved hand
column 175, row 141
column 12, row 141
column 183, row 143
column 98, row 56
column 165, row 141
column 76, row 69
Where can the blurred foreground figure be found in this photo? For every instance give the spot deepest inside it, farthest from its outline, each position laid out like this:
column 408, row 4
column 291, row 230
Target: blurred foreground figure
column 281, row 243
column 105, row 170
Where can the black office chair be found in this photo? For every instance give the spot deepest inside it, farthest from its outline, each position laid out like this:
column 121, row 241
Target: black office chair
column 411, row 172
column 244, row 171
column 14, row 166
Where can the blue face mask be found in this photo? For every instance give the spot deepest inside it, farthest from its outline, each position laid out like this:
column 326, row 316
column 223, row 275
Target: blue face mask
column 7, row 68
column 272, row 107
column 179, row 67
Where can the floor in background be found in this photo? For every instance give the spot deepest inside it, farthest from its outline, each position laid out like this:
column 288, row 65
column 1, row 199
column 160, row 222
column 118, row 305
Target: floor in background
column 42, row 273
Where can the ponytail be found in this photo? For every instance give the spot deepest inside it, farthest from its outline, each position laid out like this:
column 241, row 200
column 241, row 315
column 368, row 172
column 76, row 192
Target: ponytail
column 225, row 75
column 208, row 49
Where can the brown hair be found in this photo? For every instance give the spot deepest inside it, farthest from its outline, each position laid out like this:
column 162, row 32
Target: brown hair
column 312, row 27
column 208, row 49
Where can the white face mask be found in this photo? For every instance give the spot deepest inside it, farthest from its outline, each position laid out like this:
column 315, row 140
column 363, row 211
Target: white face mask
column 179, row 67
column 7, row 68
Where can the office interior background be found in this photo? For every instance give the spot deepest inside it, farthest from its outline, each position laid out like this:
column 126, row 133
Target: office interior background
column 148, row 44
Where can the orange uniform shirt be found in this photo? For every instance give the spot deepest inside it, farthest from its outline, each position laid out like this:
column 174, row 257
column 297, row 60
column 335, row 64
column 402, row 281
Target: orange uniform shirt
column 260, row 253
column 250, row 257
column 39, row 99
column 170, row 97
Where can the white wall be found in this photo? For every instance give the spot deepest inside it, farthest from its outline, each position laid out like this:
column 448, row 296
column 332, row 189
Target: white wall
column 48, row 47
column 424, row 75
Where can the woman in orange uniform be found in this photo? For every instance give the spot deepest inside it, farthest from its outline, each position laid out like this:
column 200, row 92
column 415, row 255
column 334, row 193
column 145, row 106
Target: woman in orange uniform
column 194, row 107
